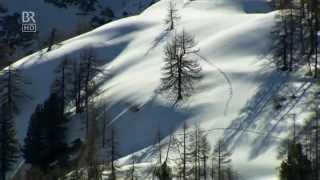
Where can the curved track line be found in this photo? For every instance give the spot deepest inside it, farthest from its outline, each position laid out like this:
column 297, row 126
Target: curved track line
column 226, row 77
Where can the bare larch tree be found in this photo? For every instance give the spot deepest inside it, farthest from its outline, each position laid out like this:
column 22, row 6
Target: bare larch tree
column 172, row 17
column 181, row 69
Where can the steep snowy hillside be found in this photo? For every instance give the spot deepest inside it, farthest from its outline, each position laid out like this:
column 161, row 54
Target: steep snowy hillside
column 230, row 38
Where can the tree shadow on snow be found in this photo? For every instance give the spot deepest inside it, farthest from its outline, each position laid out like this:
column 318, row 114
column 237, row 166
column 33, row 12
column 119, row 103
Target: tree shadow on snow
column 138, row 129
column 259, row 114
column 158, row 40
column 279, row 121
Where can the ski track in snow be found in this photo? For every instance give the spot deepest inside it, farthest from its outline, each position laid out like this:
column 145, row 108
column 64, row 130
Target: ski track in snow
column 225, row 75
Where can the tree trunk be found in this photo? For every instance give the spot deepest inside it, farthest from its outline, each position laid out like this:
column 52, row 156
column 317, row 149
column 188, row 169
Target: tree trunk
column 104, row 127
column 62, row 93
column 87, row 94
column 171, row 18
column 205, row 167
column 219, row 162
column 184, row 151
column 302, row 27
column 212, row 170
column 316, row 46
column 3, row 154
column 179, row 79
column 317, row 142
column 291, row 39
column 113, row 156
column 285, row 65
column 51, row 40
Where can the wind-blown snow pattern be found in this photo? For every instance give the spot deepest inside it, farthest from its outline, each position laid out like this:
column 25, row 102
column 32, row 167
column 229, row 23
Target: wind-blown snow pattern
column 235, row 92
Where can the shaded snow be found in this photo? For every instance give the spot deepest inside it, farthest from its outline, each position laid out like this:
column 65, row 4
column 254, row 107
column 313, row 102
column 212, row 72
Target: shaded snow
column 132, row 49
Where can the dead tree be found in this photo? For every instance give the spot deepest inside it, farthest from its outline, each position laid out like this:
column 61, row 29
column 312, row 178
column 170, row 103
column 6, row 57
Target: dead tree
column 132, row 175
column 183, row 148
column 89, row 69
column 52, row 39
column 113, row 152
column 222, row 157
column 204, row 148
column 60, row 84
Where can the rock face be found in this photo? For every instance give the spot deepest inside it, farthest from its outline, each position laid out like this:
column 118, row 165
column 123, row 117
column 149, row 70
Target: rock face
column 68, row 18
column 257, row 6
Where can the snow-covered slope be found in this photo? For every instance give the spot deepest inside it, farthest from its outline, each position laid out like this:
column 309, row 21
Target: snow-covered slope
column 229, row 38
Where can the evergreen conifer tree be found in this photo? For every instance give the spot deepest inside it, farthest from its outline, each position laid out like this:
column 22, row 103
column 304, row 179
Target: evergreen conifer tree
column 9, row 146
column 45, row 141
column 296, row 166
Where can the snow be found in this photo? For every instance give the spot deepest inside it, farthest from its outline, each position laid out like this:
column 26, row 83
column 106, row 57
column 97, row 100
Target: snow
column 230, row 40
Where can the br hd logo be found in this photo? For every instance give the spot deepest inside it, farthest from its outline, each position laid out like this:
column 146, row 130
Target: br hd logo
column 29, row 21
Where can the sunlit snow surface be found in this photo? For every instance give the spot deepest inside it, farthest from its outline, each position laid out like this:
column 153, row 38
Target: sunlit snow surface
column 229, row 39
